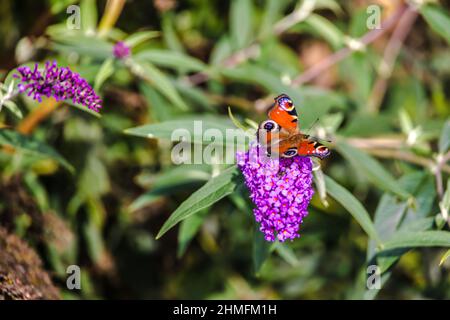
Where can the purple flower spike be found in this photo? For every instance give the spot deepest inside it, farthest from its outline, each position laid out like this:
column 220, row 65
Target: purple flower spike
column 59, row 83
column 121, row 50
column 281, row 189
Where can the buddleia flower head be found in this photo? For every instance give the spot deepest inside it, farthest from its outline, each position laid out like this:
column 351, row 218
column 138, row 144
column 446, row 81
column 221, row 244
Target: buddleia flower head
column 281, row 190
column 121, row 50
column 60, row 83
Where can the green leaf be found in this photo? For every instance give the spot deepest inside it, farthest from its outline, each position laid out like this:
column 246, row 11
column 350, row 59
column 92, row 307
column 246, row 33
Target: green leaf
column 106, row 70
column 273, row 11
column 137, row 38
column 159, row 80
column 438, row 20
column 261, row 249
column 31, row 145
column 444, row 141
column 155, row 100
column 357, row 70
column 171, row 59
column 56, row 6
column 94, row 241
column 418, row 239
column 444, row 257
column 83, row 108
column 214, row 190
column 311, row 102
column 169, row 34
column 194, row 128
column 94, row 179
column 326, row 29
column 171, row 181
column 287, row 254
column 188, row 229
column 393, row 216
column 372, row 169
column 221, row 51
column 353, row 206
column 12, row 106
column 241, row 13
column 445, row 203
column 88, row 16
column 235, row 121
column 83, row 45
column 319, row 182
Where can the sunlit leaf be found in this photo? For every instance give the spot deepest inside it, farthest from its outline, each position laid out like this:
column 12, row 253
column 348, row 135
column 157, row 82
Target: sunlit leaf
column 444, row 257
column 438, row 19
column 326, row 29
column 241, row 13
column 12, row 106
column 418, row 239
column 444, row 141
column 214, row 190
column 83, row 45
column 171, row 59
column 192, row 129
column 88, row 16
column 106, row 70
column 140, row 37
column 160, row 81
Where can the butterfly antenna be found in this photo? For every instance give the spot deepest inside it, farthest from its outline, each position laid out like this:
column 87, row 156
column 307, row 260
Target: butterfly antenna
column 315, row 138
column 312, row 126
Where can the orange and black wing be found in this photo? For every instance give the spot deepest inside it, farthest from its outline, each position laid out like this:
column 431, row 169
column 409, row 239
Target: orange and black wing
column 282, row 122
column 284, row 114
column 300, row 144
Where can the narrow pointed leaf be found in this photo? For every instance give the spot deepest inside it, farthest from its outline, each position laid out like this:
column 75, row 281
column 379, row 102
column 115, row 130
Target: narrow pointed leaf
column 214, row 190
column 353, row 206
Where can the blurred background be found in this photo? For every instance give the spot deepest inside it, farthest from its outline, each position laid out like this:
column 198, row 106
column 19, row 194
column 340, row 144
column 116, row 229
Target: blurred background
column 376, row 75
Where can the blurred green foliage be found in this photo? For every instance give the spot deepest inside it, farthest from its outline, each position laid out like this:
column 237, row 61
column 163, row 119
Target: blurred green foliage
column 90, row 190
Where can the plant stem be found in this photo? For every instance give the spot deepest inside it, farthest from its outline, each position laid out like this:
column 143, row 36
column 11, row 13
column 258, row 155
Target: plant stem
column 331, row 60
column 112, row 12
column 27, row 125
column 390, row 55
column 441, row 163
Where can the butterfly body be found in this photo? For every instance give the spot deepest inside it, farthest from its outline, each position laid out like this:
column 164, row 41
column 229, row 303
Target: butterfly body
column 281, row 136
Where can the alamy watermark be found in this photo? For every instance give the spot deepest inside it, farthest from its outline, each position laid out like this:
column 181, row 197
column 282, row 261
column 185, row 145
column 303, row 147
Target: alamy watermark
column 74, row 279
column 209, row 146
column 373, row 17
column 373, row 277
column 74, row 20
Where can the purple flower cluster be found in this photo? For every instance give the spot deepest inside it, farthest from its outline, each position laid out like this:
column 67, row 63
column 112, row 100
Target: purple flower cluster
column 59, row 83
column 121, row 50
column 281, row 190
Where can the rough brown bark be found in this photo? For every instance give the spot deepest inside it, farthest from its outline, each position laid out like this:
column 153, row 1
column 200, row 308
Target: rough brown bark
column 21, row 274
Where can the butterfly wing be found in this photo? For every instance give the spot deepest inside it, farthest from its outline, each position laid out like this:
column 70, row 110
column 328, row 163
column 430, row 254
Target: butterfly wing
column 300, row 144
column 284, row 114
column 282, row 121
column 280, row 134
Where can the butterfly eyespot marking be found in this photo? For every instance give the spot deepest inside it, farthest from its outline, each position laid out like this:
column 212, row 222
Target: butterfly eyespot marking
column 285, row 102
column 322, row 152
column 290, row 153
column 270, row 125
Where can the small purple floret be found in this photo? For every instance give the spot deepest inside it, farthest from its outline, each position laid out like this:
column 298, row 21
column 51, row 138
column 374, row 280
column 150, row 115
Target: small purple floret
column 281, row 190
column 121, row 50
column 59, row 83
